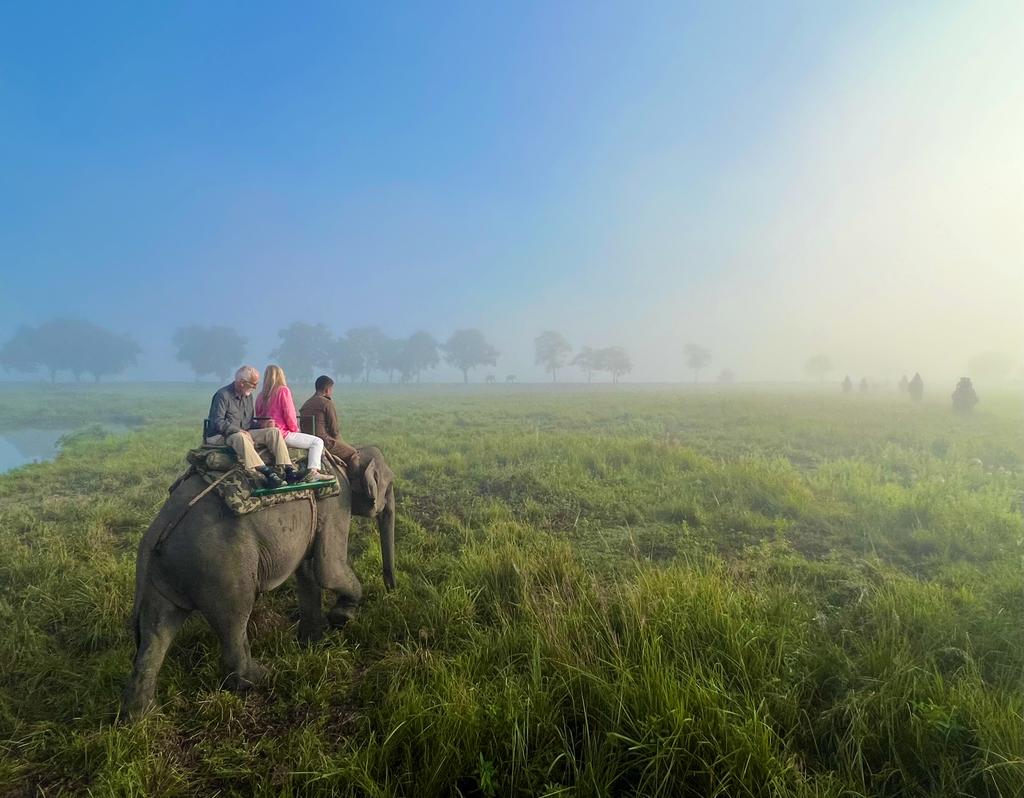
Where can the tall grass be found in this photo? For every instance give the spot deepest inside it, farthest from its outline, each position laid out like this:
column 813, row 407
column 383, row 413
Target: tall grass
column 605, row 593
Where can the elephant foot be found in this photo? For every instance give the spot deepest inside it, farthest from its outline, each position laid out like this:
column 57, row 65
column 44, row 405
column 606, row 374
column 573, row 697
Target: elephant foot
column 134, row 709
column 338, row 616
column 254, row 675
column 309, row 633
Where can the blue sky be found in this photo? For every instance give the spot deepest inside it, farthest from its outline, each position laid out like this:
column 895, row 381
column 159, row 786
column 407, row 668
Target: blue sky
column 606, row 169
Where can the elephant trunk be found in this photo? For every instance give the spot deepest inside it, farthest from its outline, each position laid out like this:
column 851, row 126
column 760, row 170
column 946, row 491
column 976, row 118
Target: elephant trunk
column 386, row 526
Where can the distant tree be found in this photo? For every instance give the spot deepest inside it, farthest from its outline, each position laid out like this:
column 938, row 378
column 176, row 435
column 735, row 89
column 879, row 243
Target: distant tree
column 467, row 349
column 345, row 360
column 391, row 356
column 818, row 366
column 419, row 354
column 903, row 384
column 64, row 344
column 990, row 365
column 18, row 353
column 369, row 343
column 510, row 378
column 73, row 345
column 614, row 360
column 726, row 377
column 209, row 350
column 586, row 360
column 551, row 351
column 864, row 385
column 697, row 357
column 304, row 348
column 110, row 354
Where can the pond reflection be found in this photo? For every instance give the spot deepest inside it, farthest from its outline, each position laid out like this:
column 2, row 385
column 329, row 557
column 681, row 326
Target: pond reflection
column 19, row 447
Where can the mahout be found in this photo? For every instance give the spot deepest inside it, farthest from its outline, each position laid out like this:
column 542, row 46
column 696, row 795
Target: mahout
column 916, row 387
column 964, row 396
column 203, row 558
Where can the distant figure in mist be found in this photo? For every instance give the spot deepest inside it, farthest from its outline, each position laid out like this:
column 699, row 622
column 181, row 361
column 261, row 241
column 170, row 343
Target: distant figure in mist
column 864, row 385
column 847, row 384
column 916, row 387
column 904, row 384
column 964, row 397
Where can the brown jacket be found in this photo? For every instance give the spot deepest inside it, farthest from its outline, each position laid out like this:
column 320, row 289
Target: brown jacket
column 322, row 409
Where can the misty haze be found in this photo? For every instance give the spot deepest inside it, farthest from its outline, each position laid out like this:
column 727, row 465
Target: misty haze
column 512, row 399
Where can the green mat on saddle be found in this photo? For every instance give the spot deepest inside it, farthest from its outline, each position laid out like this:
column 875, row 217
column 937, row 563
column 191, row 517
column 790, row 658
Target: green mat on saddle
column 236, row 488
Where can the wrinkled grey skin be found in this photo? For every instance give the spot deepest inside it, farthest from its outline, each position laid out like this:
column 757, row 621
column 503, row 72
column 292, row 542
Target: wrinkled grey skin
column 218, row 563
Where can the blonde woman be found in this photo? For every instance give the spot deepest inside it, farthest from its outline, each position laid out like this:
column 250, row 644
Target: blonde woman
column 275, row 402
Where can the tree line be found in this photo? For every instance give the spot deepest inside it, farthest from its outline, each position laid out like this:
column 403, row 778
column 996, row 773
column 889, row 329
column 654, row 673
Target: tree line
column 69, row 345
column 80, row 347
column 363, row 351
column 552, row 352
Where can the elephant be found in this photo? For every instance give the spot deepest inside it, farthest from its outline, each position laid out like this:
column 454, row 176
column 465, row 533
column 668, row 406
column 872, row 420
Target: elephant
column 218, row 563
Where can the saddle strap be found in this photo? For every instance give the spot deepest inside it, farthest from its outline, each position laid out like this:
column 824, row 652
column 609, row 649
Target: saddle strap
column 170, row 526
column 312, row 519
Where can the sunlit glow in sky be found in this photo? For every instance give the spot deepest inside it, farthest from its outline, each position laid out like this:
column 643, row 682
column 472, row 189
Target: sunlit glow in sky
column 770, row 182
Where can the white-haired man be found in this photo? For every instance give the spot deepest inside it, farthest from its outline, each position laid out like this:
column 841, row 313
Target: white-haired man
column 231, row 422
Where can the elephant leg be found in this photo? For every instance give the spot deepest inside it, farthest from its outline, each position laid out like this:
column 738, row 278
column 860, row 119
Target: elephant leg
column 311, row 615
column 158, row 622
column 241, row 671
column 349, row 593
column 331, row 570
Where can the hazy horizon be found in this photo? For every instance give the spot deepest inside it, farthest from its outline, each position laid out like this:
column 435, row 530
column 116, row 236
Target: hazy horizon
column 770, row 183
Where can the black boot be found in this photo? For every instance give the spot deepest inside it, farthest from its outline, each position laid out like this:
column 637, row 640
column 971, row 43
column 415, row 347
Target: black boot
column 291, row 476
column 270, row 477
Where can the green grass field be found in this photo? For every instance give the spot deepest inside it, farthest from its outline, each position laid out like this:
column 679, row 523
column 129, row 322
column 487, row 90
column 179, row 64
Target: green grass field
column 602, row 592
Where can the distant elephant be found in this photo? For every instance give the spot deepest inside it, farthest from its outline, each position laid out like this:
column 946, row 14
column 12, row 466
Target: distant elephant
column 510, row 378
column 218, row 563
column 489, row 379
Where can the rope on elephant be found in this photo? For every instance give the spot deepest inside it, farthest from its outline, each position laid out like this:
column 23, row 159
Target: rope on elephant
column 339, row 468
column 312, row 518
column 188, row 472
column 170, row 527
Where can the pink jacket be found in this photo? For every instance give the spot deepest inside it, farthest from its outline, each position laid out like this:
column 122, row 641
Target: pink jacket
column 280, row 408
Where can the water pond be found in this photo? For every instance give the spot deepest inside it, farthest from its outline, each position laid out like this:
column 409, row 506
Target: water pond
column 25, row 445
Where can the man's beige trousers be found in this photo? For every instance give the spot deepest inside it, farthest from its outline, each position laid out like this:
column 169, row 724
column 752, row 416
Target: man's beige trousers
column 245, row 449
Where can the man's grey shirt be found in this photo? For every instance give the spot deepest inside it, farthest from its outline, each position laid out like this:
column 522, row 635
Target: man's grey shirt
column 229, row 413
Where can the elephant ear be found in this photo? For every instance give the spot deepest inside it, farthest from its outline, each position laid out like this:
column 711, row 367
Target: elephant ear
column 378, row 479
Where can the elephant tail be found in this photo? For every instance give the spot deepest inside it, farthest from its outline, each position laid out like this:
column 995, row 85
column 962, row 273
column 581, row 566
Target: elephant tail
column 170, row 514
column 142, row 566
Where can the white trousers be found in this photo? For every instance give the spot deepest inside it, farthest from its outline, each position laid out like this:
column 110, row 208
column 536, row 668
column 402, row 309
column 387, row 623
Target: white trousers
column 300, row 440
